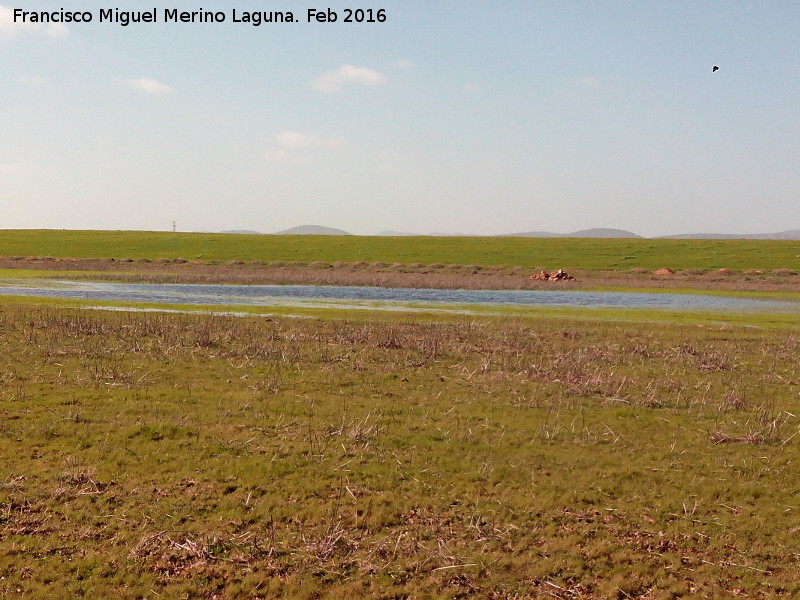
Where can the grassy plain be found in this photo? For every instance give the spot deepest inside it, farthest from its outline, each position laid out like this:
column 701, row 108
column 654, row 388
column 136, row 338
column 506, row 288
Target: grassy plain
column 553, row 253
column 560, row 453
column 151, row 455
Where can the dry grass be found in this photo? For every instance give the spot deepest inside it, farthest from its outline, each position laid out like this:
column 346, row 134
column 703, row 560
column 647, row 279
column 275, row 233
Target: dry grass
column 178, row 456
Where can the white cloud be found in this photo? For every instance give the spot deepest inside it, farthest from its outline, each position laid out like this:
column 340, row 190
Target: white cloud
column 404, row 64
column 55, row 30
column 19, row 167
column 6, row 20
column 332, row 81
column 470, row 88
column 145, row 84
column 9, row 28
column 278, row 156
column 32, row 80
column 302, row 141
column 292, row 146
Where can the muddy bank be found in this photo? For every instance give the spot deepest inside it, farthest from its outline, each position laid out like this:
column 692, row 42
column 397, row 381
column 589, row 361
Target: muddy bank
column 414, row 275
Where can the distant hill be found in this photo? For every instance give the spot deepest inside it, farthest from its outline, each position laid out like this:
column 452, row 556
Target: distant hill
column 312, row 230
column 793, row 234
column 602, row 232
column 599, row 232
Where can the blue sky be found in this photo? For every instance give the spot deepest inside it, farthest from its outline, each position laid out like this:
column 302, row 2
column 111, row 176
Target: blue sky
column 459, row 117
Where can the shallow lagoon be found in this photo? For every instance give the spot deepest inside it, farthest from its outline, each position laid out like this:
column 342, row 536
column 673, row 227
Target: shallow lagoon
column 377, row 297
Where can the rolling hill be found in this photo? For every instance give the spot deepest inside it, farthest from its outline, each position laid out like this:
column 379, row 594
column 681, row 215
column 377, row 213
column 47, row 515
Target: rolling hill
column 312, row 230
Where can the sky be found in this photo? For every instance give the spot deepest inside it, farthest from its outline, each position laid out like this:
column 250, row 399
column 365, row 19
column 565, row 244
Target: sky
column 451, row 116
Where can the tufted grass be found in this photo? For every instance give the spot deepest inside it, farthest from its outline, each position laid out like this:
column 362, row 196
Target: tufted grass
column 195, row 456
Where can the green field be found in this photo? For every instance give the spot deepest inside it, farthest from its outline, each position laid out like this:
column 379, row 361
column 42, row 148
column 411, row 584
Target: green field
column 501, row 453
column 568, row 253
column 150, row 455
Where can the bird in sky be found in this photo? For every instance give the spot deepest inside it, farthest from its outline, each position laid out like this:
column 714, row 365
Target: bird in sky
column 714, row 69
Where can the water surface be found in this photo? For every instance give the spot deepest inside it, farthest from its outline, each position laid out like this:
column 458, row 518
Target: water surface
column 377, row 297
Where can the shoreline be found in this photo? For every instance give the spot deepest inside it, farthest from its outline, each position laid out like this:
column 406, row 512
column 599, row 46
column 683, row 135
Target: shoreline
column 415, row 275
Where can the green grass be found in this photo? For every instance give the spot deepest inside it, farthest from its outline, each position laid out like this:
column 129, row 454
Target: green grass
column 199, row 456
column 382, row 311
column 569, row 253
